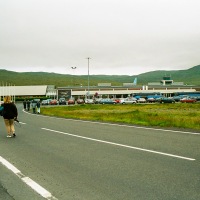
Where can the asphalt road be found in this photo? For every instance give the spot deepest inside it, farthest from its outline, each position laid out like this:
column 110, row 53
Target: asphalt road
column 79, row 160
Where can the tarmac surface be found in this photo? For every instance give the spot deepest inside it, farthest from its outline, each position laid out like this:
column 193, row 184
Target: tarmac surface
column 12, row 188
column 81, row 160
column 4, row 194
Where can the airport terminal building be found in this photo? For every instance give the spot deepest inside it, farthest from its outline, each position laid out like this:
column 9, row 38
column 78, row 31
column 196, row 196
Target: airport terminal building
column 166, row 87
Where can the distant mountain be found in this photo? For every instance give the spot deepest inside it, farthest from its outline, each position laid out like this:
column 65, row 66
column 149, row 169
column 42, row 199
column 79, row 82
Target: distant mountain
column 190, row 77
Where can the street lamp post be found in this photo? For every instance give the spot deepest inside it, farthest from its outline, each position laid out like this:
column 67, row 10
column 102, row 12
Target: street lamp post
column 88, row 93
column 73, row 75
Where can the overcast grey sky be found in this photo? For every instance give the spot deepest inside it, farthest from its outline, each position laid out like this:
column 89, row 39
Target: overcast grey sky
column 124, row 37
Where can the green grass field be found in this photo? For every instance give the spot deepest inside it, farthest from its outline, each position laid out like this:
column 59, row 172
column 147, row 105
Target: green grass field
column 177, row 115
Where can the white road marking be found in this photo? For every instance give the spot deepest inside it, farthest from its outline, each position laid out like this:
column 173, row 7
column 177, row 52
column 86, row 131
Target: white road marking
column 121, row 145
column 22, row 123
column 39, row 189
column 9, row 166
column 147, row 128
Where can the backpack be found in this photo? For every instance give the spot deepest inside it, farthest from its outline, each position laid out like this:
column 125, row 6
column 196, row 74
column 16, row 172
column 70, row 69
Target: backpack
column 1, row 110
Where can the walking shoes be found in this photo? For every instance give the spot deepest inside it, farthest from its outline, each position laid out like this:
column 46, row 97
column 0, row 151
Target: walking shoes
column 9, row 136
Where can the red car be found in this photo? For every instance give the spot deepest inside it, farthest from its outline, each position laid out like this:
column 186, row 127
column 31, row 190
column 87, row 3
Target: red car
column 117, row 100
column 71, row 101
column 188, row 100
column 53, row 102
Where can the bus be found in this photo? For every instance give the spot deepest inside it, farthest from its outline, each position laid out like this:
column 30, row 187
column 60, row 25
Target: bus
column 147, row 95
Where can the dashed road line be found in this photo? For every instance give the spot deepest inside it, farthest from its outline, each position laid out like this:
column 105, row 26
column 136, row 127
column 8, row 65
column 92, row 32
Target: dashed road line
column 121, row 145
column 35, row 186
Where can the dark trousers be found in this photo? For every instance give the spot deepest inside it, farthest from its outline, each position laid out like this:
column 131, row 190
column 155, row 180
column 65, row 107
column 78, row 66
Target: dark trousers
column 34, row 110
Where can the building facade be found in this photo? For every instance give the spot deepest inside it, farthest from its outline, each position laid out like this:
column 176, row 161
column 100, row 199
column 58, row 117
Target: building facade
column 166, row 87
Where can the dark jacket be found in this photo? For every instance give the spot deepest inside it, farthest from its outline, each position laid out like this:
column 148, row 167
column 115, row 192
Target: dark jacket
column 28, row 104
column 38, row 104
column 10, row 111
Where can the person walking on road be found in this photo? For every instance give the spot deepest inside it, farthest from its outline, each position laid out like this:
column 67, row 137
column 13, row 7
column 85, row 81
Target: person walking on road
column 34, row 104
column 24, row 103
column 10, row 113
column 38, row 107
column 28, row 105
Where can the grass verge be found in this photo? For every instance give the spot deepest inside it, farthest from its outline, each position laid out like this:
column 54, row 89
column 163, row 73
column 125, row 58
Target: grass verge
column 158, row 115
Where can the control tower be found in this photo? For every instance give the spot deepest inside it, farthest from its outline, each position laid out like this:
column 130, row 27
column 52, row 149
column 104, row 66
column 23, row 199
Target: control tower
column 167, row 80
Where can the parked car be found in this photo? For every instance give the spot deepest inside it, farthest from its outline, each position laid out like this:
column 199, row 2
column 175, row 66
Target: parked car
column 141, row 100
column 48, row 100
column 53, row 102
column 151, row 100
column 197, row 98
column 62, row 101
column 71, row 101
column 44, row 102
column 36, row 100
column 96, row 100
column 80, row 101
column 117, row 100
column 177, row 98
column 107, row 101
column 188, row 100
column 89, row 101
column 166, row 100
column 128, row 101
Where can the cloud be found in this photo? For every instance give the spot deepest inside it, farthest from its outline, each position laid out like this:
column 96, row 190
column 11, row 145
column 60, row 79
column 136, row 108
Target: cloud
column 121, row 37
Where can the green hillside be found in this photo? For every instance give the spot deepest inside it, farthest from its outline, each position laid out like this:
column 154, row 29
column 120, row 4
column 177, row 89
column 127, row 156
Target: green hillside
column 189, row 77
